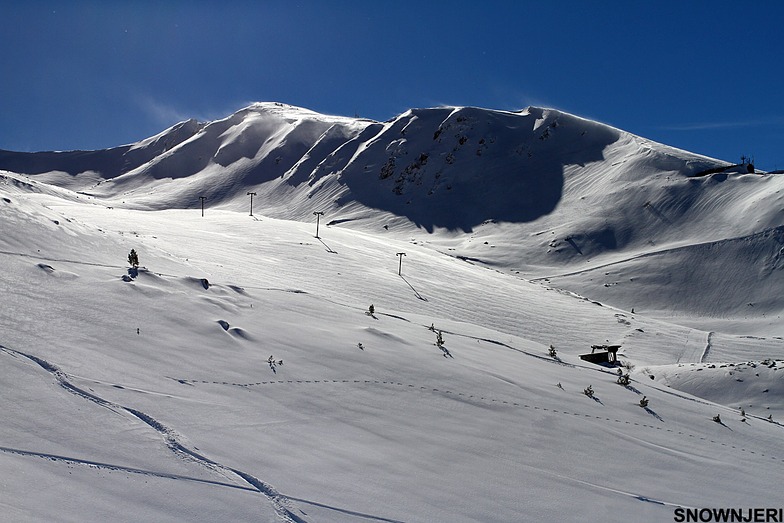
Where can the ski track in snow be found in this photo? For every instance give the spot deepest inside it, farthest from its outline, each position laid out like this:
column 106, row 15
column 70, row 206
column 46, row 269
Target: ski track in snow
column 694, row 353
column 597, row 486
column 347, row 512
column 167, row 475
column 491, row 401
column 279, row 502
column 123, row 468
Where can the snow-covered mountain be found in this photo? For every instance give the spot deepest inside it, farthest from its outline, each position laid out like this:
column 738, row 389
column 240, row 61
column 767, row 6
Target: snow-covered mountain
column 238, row 374
column 423, row 165
column 538, row 192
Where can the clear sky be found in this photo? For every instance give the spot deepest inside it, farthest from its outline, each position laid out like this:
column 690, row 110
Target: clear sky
column 706, row 76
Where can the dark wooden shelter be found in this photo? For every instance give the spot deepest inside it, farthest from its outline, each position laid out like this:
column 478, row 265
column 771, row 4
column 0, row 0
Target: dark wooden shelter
column 606, row 355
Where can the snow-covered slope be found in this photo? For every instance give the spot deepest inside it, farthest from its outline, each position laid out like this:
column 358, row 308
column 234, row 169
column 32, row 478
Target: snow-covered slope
column 237, row 375
column 539, row 192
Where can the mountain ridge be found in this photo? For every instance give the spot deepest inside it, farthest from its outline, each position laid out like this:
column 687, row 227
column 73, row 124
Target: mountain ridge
column 235, row 137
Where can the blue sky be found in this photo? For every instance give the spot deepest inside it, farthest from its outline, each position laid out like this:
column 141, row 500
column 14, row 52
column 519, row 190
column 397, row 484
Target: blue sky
column 702, row 76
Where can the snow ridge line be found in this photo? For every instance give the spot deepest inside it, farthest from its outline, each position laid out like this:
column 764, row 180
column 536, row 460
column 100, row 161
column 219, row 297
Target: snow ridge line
column 548, row 359
column 485, row 399
column 658, row 252
column 707, row 347
column 278, row 500
column 60, row 260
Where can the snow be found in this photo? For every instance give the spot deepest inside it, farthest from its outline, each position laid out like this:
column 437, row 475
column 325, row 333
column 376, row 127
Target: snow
column 149, row 394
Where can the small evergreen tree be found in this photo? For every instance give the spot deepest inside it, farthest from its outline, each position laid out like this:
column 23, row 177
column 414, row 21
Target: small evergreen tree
column 552, row 351
column 133, row 258
column 439, row 339
column 644, row 402
column 371, row 309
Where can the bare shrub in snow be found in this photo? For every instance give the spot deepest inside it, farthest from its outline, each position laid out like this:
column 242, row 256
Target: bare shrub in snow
column 588, row 391
column 273, row 363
